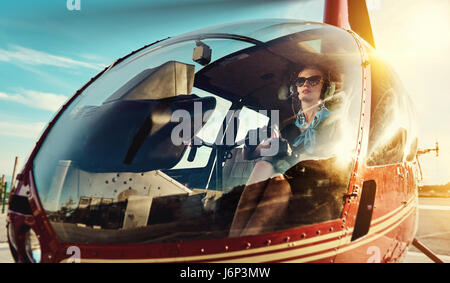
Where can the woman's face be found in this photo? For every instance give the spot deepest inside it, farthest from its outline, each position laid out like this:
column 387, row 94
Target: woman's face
column 308, row 92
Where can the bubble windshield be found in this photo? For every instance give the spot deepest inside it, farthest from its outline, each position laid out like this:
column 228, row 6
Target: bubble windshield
column 208, row 135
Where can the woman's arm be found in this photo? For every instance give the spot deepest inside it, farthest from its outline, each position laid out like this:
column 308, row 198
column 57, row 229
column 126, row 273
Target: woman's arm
column 253, row 152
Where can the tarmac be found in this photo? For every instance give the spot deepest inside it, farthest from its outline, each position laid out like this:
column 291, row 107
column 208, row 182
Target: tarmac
column 5, row 254
column 3, row 237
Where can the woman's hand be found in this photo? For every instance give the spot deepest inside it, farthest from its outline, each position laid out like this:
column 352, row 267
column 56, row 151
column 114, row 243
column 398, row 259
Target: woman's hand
column 268, row 147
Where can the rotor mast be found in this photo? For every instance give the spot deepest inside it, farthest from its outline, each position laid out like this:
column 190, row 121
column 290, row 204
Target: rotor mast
column 350, row 15
column 336, row 13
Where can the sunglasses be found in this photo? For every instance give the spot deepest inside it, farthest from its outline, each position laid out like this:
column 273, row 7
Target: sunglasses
column 313, row 81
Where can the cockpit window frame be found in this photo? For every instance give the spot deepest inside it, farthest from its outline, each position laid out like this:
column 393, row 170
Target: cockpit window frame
column 234, row 105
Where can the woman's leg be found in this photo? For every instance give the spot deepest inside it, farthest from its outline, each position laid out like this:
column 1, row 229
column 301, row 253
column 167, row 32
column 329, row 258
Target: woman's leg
column 262, row 171
column 270, row 211
column 255, row 197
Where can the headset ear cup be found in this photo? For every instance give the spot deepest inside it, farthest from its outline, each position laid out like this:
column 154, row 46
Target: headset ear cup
column 292, row 90
column 293, row 95
column 330, row 90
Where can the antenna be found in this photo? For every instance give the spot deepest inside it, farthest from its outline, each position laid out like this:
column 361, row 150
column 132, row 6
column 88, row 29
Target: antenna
column 427, row 150
column 422, row 152
column 437, row 149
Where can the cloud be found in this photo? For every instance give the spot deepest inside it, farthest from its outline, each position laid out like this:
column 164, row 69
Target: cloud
column 36, row 99
column 34, row 57
column 21, row 130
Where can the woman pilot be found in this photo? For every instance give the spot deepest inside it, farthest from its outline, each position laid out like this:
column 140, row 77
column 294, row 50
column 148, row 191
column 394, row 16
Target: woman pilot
column 266, row 196
column 303, row 135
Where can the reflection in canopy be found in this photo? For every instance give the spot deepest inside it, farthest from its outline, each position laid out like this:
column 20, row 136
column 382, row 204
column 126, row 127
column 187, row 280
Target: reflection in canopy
column 110, row 172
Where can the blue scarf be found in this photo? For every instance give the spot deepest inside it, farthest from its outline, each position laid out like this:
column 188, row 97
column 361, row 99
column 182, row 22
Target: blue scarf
column 308, row 136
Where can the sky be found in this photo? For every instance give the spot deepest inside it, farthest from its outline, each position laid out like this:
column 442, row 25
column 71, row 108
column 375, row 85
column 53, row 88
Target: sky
column 414, row 37
column 48, row 52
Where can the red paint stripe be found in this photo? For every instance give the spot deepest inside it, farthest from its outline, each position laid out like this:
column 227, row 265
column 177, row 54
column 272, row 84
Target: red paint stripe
column 376, row 234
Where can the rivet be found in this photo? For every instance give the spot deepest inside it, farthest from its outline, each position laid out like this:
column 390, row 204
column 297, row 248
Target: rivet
column 318, row 232
column 268, row 242
column 202, row 250
column 287, row 239
column 226, row 248
column 331, row 229
column 303, row 235
column 248, row 245
column 343, row 220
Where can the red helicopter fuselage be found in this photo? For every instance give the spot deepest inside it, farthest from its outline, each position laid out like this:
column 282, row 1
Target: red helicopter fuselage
column 378, row 221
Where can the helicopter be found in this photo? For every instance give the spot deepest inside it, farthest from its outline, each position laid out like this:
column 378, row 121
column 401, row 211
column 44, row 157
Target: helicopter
column 148, row 162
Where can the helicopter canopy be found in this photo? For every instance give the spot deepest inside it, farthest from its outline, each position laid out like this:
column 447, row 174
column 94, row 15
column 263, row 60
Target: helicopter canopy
column 155, row 149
